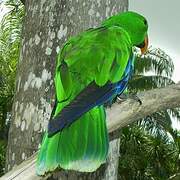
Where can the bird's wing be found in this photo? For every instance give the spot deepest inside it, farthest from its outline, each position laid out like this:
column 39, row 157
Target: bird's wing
column 89, row 67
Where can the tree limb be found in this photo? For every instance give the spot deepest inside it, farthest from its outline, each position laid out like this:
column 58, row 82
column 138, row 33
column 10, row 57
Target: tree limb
column 118, row 116
column 152, row 101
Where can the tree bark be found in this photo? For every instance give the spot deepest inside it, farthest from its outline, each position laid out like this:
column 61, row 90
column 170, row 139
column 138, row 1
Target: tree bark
column 47, row 25
column 117, row 117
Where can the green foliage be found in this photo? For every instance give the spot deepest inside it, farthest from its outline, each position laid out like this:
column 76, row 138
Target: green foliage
column 150, row 148
column 10, row 31
column 152, row 70
column 2, row 156
column 155, row 60
column 145, row 155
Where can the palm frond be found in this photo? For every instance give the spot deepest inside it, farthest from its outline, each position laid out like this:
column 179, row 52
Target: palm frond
column 142, row 82
column 175, row 113
column 157, row 123
column 11, row 23
column 155, row 60
column 10, row 35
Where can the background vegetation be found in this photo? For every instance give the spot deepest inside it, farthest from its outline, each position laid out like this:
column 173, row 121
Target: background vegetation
column 149, row 148
column 10, row 35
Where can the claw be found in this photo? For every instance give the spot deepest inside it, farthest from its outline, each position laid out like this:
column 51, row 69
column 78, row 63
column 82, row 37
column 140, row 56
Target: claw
column 124, row 97
column 136, row 98
column 120, row 99
column 108, row 104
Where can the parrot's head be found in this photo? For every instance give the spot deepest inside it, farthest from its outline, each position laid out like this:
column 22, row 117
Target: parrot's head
column 135, row 25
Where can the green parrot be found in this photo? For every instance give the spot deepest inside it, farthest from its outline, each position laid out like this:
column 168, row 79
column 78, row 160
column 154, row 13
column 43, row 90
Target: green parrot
column 92, row 68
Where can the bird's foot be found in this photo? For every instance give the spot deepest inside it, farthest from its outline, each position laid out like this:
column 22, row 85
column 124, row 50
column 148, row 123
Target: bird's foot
column 108, row 104
column 123, row 97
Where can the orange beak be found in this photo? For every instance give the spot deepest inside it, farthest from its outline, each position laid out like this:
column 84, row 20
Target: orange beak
column 144, row 49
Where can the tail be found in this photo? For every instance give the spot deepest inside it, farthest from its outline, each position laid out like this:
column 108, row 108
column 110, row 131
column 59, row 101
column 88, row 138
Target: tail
column 83, row 146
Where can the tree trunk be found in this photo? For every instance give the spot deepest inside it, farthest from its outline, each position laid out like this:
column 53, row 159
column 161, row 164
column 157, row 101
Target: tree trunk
column 47, row 25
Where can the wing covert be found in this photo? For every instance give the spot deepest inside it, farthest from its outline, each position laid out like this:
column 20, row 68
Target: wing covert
column 99, row 54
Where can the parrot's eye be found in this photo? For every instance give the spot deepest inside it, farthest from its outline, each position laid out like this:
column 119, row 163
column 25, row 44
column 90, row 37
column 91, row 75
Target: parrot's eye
column 145, row 22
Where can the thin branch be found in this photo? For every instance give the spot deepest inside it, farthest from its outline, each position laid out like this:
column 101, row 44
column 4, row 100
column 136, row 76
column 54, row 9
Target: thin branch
column 119, row 115
column 174, row 176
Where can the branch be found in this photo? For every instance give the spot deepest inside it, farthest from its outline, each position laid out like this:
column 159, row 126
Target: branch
column 152, row 101
column 174, row 177
column 118, row 116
